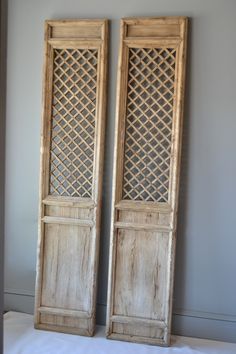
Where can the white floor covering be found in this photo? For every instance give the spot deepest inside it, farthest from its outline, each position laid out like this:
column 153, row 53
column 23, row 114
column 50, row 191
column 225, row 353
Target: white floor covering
column 21, row 338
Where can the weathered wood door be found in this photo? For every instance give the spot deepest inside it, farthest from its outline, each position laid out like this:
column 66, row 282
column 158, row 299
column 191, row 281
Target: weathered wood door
column 146, row 178
column 71, row 174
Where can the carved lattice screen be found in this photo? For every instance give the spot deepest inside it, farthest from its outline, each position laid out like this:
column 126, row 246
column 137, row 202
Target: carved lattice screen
column 145, row 190
column 151, row 78
column 73, row 122
column 71, row 174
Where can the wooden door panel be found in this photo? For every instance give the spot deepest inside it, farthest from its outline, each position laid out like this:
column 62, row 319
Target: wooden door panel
column 146, row 176
column 72, row 144
column 140, row 267
column 138, row 329
column 67, row 267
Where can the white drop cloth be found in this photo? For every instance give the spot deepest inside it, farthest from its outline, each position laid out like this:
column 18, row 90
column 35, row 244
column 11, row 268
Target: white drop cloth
column 21, row 338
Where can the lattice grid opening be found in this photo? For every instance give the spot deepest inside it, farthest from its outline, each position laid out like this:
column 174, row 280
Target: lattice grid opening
column 147, row 154
column 73, row 122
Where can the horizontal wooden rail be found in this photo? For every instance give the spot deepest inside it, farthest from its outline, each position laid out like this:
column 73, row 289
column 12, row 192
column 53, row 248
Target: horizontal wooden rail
column 65, row 221
column 139, row 41
column 69, row 202
column 145, row 227
column 72, row 43
column 143, row 206
column 63, row 312
column 137, row 339
column 138, row 320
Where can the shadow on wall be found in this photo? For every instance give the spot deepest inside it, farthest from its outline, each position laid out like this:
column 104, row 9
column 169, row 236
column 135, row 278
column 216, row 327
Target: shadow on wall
column 3, row 26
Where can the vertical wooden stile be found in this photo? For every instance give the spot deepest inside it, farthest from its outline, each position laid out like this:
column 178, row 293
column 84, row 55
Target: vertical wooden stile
column 150, row 95
column 72, row 146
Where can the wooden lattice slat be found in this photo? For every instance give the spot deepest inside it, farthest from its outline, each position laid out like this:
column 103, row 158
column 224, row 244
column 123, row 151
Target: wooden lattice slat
column 72, row 145
column 146, row 175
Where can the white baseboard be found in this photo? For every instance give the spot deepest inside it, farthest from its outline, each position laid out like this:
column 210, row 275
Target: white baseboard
column 188, row 323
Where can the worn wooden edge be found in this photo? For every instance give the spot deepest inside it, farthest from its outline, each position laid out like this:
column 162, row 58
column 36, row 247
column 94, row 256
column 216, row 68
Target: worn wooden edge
column 179, row 122
column 77, row 22
column 139, row 42
column 138, row 320
column 72, row 202
column 63, row 312
column 142, row 227
column 101, row 112
column 64, row 43
column 112, row 243
column 65, row 329
column 67, row 221
column 154, row 19
column 137, row 339
column 176, row 181
column 99, row 154
column 42, row 174
column 144, row 206
column 121, row 116
column 111, row 261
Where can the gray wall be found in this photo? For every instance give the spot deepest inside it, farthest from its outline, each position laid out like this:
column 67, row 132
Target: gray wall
column 3, row 16
column 205, row 287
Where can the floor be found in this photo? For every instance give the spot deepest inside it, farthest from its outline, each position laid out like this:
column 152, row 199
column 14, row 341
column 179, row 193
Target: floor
column 21, row 338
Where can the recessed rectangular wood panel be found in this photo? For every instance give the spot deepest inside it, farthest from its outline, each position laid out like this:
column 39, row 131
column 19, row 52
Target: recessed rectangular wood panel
column 67, row 267
column 142, row 269
column 145, row 189
column 153, row 31
column 72, row 145
column 141, row 330
column 69, row 30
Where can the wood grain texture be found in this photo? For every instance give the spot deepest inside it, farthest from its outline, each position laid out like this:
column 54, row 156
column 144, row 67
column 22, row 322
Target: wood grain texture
column 72, row 146
column 142, row 269
column 150, row 95
column 67, row 267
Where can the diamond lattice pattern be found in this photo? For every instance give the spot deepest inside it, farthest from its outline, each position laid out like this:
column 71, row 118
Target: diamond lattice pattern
column 73, row 122
column 151, row 79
